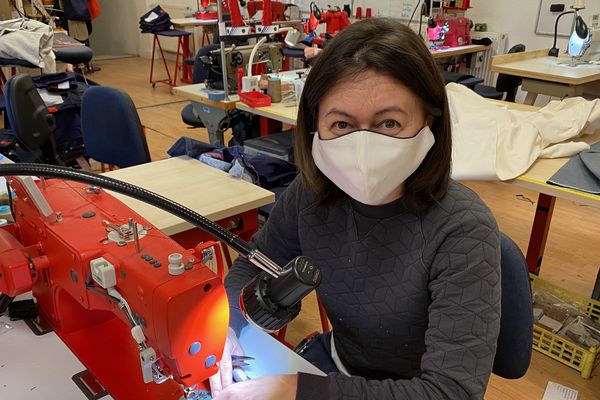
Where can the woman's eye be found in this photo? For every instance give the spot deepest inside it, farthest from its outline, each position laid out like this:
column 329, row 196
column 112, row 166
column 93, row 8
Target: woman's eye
column 390, row 124
column 341, row 125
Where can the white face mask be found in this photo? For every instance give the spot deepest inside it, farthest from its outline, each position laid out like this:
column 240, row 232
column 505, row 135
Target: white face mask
column 369, row 166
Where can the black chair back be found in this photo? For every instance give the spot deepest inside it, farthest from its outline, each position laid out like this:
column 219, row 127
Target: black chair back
column 510, row 83
column 27, row 113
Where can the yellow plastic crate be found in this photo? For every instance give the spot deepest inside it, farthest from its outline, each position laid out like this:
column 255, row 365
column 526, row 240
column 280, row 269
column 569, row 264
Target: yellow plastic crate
column 557, row 347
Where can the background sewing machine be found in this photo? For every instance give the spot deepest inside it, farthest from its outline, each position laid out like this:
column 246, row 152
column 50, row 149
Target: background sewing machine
column 445, row 29
column 584, row 43
column 269, row 56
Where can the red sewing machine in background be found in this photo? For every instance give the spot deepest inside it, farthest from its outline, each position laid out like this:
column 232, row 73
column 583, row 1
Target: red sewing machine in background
column 335, row 20
column 450, row 30
column 146, row 317
column 277, row 9
column 207, row 10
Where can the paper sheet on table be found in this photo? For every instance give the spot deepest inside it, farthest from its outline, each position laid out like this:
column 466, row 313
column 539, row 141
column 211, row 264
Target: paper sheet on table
column 556, row 391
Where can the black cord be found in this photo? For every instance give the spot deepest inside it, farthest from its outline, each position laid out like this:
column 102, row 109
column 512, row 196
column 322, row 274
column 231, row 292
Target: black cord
column 414, row 11
column 423, row 11
column 53, row 171
column 14, row 4
column 10, row 201
column 556, row 30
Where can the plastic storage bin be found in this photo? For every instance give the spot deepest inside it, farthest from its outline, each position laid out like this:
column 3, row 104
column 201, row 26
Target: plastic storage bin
column 558, row 347
column 255, row 99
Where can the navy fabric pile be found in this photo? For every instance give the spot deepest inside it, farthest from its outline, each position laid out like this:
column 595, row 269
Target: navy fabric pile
column 264, row 171
column 155, row 20
column 70, row 86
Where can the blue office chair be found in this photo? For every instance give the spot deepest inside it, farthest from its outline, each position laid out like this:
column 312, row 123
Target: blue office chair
column 111, row 128
column 513, row 354
column 504, row 84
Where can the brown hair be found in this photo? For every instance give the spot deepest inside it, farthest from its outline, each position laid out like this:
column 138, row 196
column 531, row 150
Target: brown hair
column 386, row 46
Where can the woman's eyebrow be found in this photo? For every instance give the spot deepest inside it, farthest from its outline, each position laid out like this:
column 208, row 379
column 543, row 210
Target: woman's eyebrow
column 338, row 112
column 391, row 109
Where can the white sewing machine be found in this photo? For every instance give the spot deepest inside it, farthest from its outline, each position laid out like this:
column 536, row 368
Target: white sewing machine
column 584, row 43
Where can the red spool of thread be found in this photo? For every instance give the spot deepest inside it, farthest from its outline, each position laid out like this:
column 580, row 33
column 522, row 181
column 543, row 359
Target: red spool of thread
column 358, row 12
column 368, row 12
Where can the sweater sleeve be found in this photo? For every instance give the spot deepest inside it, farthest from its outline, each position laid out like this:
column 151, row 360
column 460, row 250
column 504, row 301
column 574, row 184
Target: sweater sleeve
column 464, row 320
column 278, row 239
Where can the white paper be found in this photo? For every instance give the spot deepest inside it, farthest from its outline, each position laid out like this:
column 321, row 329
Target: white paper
column 151, row 17
column 50, row 99
column 556, row 391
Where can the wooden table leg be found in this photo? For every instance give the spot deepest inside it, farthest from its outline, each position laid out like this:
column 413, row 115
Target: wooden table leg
column 530, row 98
column 539, row 232
column 187, row 69
column 268, row 126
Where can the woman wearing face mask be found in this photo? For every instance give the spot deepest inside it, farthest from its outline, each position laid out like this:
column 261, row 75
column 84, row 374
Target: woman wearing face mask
column 410, row 259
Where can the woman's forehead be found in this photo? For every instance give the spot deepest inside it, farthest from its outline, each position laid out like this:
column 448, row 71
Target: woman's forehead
column 367, row 93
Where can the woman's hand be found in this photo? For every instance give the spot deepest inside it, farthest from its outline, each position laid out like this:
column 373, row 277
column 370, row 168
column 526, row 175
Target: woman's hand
column 311, row 52
column 275, row 387
column 224, row 378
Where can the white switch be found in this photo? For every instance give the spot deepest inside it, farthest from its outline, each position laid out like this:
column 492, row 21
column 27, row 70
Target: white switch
column 103, row 272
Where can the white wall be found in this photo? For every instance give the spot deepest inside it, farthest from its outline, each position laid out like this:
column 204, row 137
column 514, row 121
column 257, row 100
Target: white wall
column 115, row 31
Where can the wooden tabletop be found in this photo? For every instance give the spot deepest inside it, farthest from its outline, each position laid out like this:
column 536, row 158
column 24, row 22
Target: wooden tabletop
column 457, row 51
column 197, row 92
column 543, row 168
column 276, row 111
column 553, row 69
column 206, row 190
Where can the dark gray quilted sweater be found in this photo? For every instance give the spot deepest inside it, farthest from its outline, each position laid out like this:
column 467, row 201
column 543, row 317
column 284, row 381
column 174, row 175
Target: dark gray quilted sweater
column 413, row 297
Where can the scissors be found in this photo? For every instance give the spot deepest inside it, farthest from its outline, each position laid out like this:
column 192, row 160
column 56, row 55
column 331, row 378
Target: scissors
column 240, row 361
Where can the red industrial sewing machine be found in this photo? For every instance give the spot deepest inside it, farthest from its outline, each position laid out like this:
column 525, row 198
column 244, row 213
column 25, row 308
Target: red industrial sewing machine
column 207, row 10
column 277, row 9
column 334, row 18
column 145, row 316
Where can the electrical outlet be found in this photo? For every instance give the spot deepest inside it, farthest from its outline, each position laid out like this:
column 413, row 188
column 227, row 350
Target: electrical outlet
column 594, row 20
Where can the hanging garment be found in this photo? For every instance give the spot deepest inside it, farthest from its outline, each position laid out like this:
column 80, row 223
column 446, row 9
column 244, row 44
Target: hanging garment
column 490, row 141
column 28, row 40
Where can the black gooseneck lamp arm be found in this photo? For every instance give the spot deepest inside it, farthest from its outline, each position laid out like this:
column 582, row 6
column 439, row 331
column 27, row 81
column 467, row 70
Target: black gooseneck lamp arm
column 554, row 50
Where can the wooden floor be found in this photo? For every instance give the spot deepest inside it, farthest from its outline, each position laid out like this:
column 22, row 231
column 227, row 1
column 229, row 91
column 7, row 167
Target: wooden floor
column 572, row 253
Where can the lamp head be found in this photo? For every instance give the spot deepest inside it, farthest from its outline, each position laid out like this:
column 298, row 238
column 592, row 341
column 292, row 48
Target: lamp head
column 580, row 38
column 581, row 28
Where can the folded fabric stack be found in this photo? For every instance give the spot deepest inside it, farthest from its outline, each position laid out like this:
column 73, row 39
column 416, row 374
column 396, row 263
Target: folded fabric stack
column 264, row 171
column 155, row 20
